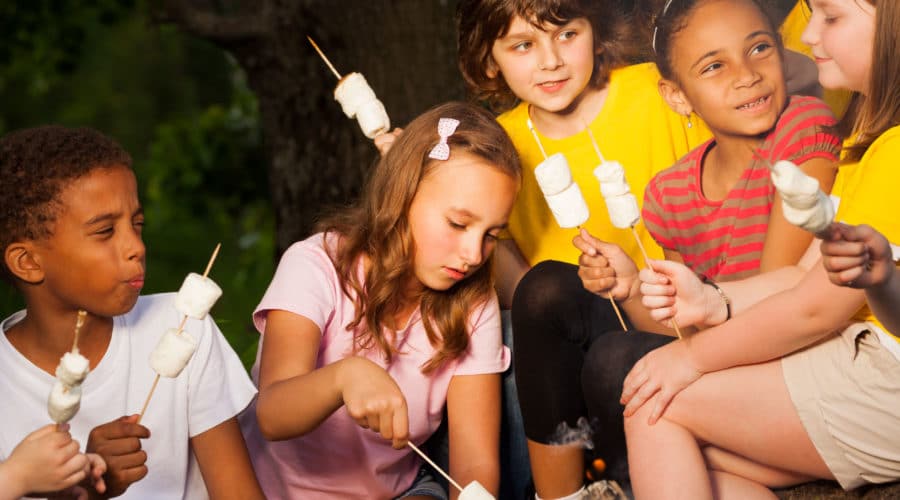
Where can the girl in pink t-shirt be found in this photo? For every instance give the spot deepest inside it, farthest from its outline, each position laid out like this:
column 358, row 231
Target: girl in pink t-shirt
column 375, row 325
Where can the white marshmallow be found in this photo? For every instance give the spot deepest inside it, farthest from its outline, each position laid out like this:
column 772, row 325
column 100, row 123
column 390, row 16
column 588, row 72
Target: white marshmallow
column 64, row 402
column 553, row 174
column 623, row 210
column 197, row 296
column 72, row 369
column 569, row 207
column 373, row 118
column 352, row 92
column 475, row 491
column 610, row 172
column 795, row 187
column 813, row 219
column 609, row 189
column 172, row 353
column 802, row 202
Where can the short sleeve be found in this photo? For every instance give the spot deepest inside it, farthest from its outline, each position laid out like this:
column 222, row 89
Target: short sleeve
column 305, row 283
column 806, row 131
column 869, row 197
column 652, row 215
column 218, row 384
column 486, row 354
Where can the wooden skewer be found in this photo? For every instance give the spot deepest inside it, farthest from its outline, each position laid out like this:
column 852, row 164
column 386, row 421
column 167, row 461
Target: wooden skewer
column 650, row 266
column 322, row 55
column 441, row 471
column 209, row 265
column 79, row 322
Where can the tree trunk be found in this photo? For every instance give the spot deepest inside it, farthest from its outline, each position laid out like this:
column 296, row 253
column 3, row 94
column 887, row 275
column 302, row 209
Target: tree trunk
column 318, row 157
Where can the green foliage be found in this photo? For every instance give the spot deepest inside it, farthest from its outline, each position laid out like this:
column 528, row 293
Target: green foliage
column 183, row 111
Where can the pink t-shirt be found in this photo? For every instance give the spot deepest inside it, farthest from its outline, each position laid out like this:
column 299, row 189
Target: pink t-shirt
column 340, row 459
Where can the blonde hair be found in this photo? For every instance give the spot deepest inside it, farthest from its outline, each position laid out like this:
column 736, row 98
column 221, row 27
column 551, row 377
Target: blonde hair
column 377, row 227
column 869, row 116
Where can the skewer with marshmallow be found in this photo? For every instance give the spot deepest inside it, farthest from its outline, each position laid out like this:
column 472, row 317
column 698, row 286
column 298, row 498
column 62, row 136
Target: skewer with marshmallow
column 803, row 203
column 620, row 202
column 358, row 100
column 563, row 196
column 73, row 368
column 472, row 491
column 195, row 298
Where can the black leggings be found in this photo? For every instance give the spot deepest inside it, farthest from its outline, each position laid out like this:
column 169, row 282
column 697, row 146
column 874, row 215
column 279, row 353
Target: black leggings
column 571, row 359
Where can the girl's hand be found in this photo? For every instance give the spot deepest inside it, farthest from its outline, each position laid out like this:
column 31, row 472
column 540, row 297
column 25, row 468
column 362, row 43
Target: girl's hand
column 671, row 291
column 46, row 460
column 856, row 256
column 605, row 269
column 374, row 400
column 663, row 372
column 383, row 142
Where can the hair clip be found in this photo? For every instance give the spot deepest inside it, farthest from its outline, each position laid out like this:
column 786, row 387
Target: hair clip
column 446, row 127
column 656, row 23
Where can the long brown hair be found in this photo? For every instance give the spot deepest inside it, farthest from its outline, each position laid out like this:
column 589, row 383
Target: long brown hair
column 870, row 115
column 377, row 227
column 480, row 23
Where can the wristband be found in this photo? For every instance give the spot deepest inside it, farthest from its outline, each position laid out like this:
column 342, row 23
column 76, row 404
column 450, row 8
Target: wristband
column 721, row 293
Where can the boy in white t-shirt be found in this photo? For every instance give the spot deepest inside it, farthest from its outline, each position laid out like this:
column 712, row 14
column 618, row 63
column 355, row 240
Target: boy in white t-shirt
column 70, row 230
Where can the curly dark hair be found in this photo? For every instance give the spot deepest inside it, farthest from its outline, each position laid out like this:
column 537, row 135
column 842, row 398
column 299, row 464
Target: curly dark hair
column 35, row 165
column 480, row 23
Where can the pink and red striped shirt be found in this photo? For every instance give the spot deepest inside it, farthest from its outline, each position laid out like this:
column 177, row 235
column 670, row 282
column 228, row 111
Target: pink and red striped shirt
column 724, row 239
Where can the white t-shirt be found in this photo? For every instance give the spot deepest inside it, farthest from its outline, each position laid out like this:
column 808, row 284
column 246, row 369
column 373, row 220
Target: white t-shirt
column 212, row 388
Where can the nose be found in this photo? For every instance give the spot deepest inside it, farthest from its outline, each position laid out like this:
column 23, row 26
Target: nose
column 133, row 246
column 810, row 35
column 550, row 58
column 472, row 250
column 747, row 75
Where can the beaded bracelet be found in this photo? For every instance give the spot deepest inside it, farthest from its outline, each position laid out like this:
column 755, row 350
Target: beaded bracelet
column 721, row 293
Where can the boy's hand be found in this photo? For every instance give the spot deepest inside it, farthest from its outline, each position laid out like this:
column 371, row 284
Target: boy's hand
column 46, row 460
column 605, row 269
column 118, row 443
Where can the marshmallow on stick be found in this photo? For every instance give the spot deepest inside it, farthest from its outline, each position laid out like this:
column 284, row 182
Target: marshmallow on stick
column 65, row 396
column 802, row 202
column 472, row 491
column 358, row 100
column 176, row 347
column 620, row 202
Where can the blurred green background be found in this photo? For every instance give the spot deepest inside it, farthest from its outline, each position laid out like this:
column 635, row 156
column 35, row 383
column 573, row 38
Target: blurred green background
column 182, row 109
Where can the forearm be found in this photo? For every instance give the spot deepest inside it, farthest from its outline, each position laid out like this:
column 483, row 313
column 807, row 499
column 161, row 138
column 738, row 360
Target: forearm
column 748, row 292
column 786, row 322
column 884, row 301
column 295, row 406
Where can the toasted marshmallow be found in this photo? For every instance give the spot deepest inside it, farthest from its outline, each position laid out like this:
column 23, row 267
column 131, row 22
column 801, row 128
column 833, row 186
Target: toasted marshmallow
column 373, row 118
column 172, row 353
column 352, row 92
column 64, row 402
column 72, row 369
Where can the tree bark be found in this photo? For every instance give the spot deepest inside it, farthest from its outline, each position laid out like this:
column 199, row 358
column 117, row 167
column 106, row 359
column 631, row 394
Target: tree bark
column 318, row 157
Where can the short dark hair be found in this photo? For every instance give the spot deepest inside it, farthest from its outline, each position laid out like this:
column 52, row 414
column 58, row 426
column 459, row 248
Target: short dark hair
column 35, row 165
column 480, row 23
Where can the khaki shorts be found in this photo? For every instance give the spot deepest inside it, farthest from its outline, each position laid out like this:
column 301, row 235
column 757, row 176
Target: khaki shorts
column 846, row 390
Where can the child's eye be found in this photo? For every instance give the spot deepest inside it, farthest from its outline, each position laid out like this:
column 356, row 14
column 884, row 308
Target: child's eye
column 709, row 68
column 456, row 225
column 491, row 237
column 761, row 48
column 522, row 46
column 567, row 35
column 105, row 231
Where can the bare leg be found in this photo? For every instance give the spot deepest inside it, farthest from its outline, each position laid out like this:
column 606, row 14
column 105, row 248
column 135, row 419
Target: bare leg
column 718, row 460
column 727, row 485
column 745, row 410
column 556, row 470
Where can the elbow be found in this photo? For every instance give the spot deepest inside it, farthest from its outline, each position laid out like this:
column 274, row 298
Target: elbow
column 268, row 421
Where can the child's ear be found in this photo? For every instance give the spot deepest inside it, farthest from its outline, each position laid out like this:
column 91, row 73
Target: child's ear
column 23, row 263
column 674, row 97
column 491, row 71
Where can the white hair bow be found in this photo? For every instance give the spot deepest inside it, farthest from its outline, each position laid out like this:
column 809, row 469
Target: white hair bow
column 446, row 127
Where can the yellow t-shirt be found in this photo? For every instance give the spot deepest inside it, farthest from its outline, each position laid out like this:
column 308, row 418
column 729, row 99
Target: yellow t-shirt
column 791, row 31
column 868, row 196
column 636, row 128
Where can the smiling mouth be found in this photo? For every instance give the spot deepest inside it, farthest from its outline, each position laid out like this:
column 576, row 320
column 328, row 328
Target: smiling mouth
column 754, row 104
